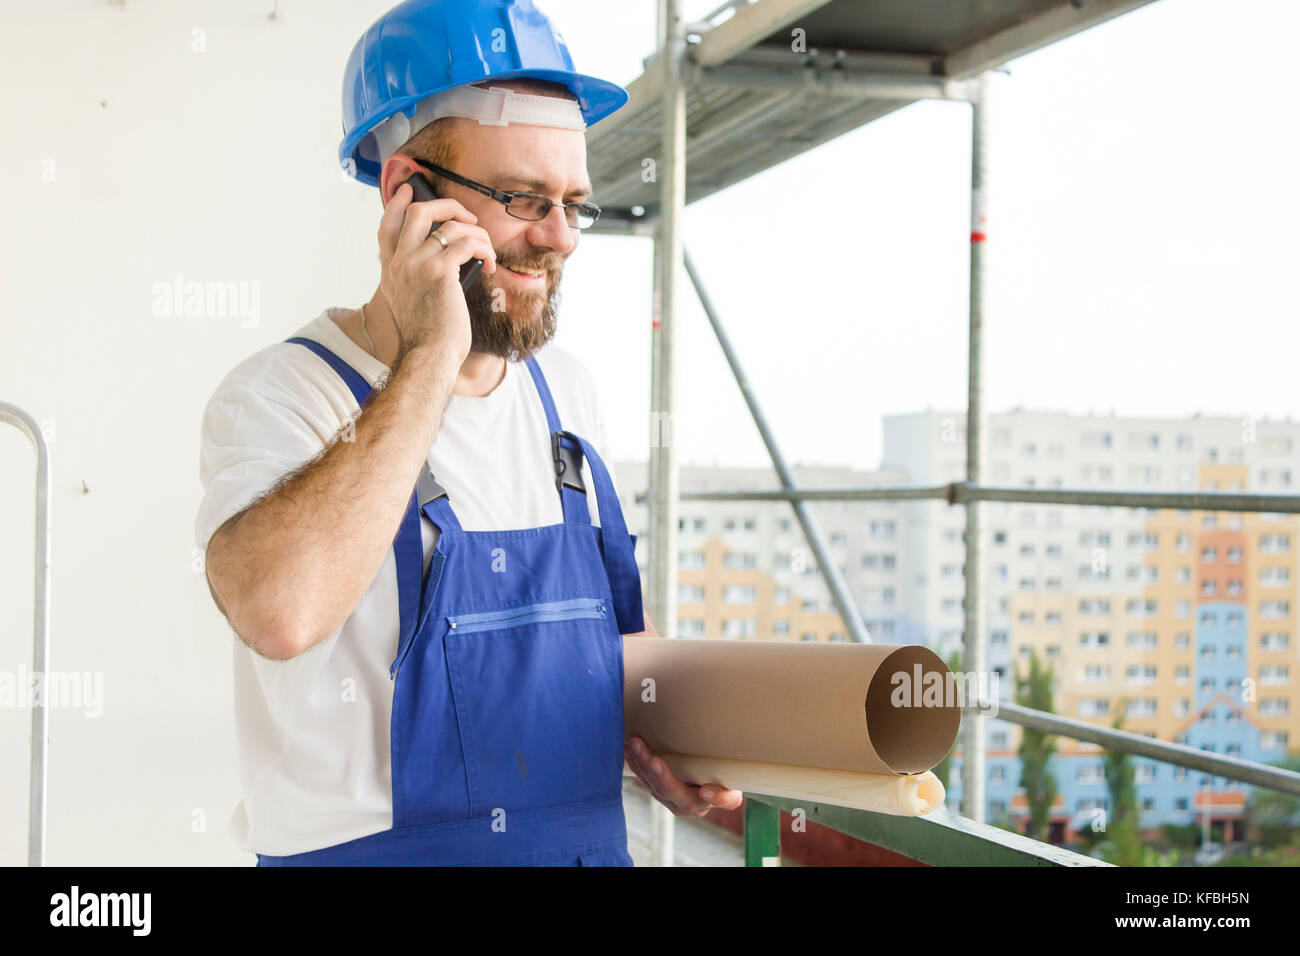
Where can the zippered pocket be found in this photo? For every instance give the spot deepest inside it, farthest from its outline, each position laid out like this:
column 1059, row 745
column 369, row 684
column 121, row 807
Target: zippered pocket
column 574, row 609
column 538, row 695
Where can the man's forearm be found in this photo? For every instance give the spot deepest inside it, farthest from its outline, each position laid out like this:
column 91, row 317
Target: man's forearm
column 292, row 567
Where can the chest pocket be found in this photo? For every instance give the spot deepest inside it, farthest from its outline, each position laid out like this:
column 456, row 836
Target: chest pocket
column 538, row 696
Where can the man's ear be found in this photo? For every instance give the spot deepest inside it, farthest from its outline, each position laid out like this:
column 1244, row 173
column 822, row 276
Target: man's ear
column 397, row 169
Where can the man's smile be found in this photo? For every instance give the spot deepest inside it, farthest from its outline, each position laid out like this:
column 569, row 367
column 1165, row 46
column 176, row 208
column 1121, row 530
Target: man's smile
column 529, row 278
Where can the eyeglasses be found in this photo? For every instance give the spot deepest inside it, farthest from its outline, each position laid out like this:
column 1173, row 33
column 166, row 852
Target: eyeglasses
column 530, row 207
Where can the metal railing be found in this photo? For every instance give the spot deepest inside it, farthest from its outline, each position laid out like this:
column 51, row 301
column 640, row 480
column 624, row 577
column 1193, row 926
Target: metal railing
column 962, row 492
column 28, row 425
column 939, row 838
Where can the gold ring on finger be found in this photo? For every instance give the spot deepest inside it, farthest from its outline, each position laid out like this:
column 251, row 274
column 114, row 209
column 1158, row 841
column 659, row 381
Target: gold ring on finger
column 440, row 237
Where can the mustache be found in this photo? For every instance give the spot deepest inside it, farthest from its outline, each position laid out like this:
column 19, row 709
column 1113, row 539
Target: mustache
column 549, row 263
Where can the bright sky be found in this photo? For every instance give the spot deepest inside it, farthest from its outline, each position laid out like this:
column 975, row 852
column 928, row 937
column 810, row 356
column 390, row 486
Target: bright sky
column 1142, row 249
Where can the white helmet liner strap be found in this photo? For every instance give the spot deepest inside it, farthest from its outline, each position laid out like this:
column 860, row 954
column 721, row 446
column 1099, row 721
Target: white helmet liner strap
column 495, row 106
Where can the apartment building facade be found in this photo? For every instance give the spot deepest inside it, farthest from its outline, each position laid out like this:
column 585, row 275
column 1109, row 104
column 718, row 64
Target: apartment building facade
column 1183, row 622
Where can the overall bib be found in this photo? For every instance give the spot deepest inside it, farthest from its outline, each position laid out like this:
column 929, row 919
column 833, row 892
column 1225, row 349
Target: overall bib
column 507, row 726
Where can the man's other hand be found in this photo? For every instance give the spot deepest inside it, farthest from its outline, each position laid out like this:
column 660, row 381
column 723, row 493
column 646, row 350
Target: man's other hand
column 683, row 799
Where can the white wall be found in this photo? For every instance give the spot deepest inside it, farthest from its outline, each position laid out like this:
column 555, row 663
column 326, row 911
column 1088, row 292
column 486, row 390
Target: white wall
column 129, row 157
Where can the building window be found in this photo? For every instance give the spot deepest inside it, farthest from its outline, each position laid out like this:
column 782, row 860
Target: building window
column 1272, row 610
column 1274, row 674
column 738, row 594
column 1139, row 607
column 1274, row 577
column 1274, row 543
column 1274, row 641
column 738, row 627
column 1094, row 707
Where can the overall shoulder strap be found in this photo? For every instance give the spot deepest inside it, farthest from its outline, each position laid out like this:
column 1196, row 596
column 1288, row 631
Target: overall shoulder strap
column 616, row 545
column 354, row 380
column 565, row 452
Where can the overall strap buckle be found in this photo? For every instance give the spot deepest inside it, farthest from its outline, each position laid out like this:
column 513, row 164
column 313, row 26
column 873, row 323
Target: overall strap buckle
column 427, row 488
column 568, row 465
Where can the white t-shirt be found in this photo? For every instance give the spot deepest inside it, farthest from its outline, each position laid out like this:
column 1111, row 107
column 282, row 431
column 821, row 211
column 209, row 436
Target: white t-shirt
column 313, row 731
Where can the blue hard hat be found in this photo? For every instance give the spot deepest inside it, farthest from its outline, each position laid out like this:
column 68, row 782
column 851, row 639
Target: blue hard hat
column 423, row 47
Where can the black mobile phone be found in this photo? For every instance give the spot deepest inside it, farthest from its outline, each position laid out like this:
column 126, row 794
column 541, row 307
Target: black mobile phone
column 422, row 192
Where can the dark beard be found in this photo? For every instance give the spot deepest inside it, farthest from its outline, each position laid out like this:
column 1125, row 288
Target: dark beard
column 516, row 331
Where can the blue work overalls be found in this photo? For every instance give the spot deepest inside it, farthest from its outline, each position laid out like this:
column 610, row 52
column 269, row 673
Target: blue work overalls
column 507, row 722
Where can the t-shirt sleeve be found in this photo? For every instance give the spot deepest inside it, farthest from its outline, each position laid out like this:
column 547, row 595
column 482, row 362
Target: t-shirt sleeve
column 249, row 442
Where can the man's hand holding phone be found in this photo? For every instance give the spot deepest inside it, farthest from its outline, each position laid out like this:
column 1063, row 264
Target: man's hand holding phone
column 420, row 278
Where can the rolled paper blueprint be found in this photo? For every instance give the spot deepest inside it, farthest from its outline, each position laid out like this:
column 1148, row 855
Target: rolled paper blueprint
column 905, row 795
column 787, row 710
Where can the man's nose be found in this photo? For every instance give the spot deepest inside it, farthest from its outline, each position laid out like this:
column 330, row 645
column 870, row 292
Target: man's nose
column 554, row 232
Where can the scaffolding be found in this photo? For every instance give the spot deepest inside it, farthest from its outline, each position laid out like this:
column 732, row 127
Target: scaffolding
column 757, row 82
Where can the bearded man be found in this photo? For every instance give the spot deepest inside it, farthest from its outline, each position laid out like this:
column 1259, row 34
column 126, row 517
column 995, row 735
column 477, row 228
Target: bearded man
column 407, row 518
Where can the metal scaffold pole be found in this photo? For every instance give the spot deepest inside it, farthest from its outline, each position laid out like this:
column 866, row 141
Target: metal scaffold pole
column 830, row 571
column 973, row 641
column 671, row 173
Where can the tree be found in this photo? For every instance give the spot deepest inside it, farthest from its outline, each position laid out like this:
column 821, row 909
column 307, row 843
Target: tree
column 1037, row 748
column 1275, row 814
column 1122, row 821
